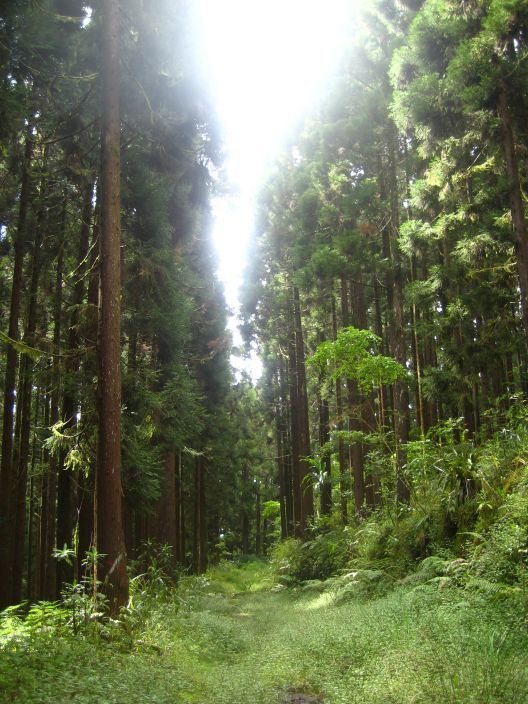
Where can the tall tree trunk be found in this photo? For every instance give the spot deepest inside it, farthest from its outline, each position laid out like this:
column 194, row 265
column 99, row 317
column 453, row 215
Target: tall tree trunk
column 85, row 517
column 367, row 401
column 258, row 522
column 168, row 532
column 51, row 585
column 200, row 537
column 22, row 447
column 66, row 489
column 304, row 428
column 516, row 200
column 245, row 517
column 341, row 453
column 280, row 469
column 355, row 420
column 397, row 328
column 294, row 435
column 286, row 447
column 380, row 329
column 6, row 467
column 31, row 567
column 85, row 495
column 324, row 438
column 110, row 534
column 180, row 543
column 43, row 546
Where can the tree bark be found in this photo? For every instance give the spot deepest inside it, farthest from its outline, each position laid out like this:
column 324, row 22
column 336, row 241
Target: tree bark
column 286, row 449
column 50, row 582
column 355, row 423
column 66, row 491
column 110, row 534
column 294, row 435
column 180, row 550
column 341, row 453
column 280, row 469
column 304, row 427
column 258, row 522
column 22, row 447
column 245, row 517
column 200, row 537
column 324, row 437
column 168, row 532
column 6, row 467
column 397, row 328
column 516, row 200
column 31, row 567
column 40, row 578
column 325, row 496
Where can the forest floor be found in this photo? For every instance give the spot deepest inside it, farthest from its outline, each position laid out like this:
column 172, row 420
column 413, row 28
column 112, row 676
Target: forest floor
column 232, row 638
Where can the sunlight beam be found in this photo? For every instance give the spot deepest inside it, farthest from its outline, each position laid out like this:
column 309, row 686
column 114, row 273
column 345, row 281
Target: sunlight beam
column 268, row 63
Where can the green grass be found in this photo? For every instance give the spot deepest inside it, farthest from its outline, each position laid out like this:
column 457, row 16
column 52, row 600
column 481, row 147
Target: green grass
column 228, row 638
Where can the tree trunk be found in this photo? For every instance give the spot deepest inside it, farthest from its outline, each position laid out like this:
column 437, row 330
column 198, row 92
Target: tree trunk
column 180, row 527
column 200, row 537
column 6, row 467
column 22, row 447
column 85, row 495
column 343, row 468
column 43, row 547
column 304, row 428
column 280, row 469
column 516, row 200
column 258, row 522
column 324, row 437
column 31, row 566
column 110, row 535
column 66, row 490
column 355, row 422
column 85, row 518
column 50, row 583
column 294, row 435
column 397, row 328
column 245, row 517
column 286, row 449
column 168, row 532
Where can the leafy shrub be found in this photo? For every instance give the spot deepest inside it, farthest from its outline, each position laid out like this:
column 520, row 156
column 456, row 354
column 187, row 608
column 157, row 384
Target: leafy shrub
column 154, row 571
column 361, row 584
column 286, row 558
column 319, row 558
column 502, row 556
column 384, row 542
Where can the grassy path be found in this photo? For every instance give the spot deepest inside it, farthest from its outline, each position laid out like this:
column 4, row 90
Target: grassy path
column 232, row 640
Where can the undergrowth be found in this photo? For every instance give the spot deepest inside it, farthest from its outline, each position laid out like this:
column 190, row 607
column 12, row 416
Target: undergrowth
column 425, row 604
column 469, row 502
column 228, row 638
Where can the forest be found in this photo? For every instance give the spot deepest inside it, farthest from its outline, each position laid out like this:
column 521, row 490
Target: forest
column 350, row 527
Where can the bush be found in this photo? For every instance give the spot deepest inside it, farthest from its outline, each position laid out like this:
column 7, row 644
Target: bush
column 502, row 555
column 155, row 570
column 320, row 558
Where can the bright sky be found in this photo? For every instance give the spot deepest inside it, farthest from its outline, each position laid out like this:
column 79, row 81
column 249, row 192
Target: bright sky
column 268, row 62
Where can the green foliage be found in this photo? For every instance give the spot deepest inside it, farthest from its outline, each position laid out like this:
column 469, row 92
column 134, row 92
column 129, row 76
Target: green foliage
column 352, row 355
column 467, row 502
column 154, row 571
column 501, row 554
column 319, row 558
column 271, row 510
column 214, row 644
